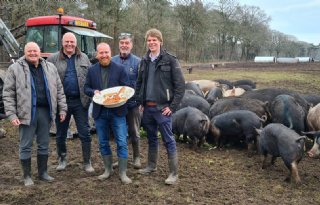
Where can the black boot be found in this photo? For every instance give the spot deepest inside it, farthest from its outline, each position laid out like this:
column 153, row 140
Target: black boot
column 26, row 168
column 43, row 168
column 62, row 160
column 152, row 162
column 86, row 153
column 136, row 153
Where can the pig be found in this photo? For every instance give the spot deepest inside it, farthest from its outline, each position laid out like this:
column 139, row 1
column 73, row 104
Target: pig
column 239, row 103
column 313, row 122
column 268, row 94
column 315, row 150
column 285, row 109
column 235, row 126
column 213, row 95
column 312, row 99
column 194, row 101
column 225, row 82
column 233, row 92
column 191, row 122
column 278, row 140
column 195, row 87
column 245, row 82
column 205, row 85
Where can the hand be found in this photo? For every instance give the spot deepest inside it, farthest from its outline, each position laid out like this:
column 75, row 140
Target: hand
column 97, row 92
column 166, row 111
column 15, row 122
column 141, row 108
column 62, row 117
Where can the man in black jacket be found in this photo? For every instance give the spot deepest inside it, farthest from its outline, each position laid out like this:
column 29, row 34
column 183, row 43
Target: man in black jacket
column 159, row 89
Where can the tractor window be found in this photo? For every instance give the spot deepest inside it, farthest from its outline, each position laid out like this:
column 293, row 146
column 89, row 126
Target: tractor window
column 91, row 47
column 51, row 39
column 35, row 34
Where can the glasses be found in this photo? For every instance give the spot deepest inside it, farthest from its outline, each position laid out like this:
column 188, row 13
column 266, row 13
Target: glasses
column 125, row 35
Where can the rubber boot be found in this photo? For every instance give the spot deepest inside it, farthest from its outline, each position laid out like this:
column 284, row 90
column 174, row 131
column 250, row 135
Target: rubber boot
column 173, row 170
column 136, row 154
column 86, row 153
column 26, row 168
column 107, row 161
column 62, row 162
column 152, row 162
column 123, row 162
column 42, row 161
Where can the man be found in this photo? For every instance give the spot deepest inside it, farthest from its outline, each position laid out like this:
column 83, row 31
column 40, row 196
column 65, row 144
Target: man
column 72, row 67
column 159, row 90
column 102, row 75
column 31, row 93
column 131, row 63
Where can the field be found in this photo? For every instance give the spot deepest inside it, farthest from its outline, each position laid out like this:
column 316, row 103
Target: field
column 206, row 176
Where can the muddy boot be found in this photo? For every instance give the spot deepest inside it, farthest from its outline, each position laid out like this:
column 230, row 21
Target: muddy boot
column 26, row 168
column 152, row 162
column 62, row 162
column 173, row 169
column 136, row 154
column 115, row 165
column 107, row 161
column 42, row 161
column 86, row 153
column 123, row 171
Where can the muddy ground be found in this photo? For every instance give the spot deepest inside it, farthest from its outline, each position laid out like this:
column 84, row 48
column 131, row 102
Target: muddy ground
column 206, row 176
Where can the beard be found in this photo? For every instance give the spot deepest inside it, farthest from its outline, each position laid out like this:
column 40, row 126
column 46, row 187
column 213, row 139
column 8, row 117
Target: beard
column 104, row 61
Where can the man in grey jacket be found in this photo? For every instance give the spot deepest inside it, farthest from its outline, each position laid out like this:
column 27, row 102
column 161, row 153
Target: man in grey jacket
column 32, row 90
column 72, row 66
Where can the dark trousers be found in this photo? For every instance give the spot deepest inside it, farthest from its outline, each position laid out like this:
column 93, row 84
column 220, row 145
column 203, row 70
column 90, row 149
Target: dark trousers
column 152, row 120
column 133, row 119
column 80, row 115
column 39, row 129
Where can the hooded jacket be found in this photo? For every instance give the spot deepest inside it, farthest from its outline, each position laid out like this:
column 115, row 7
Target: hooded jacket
column 19, row 96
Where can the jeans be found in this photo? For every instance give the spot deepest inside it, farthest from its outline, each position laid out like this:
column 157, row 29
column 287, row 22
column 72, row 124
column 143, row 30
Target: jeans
column 152, row 119
column 38, row 128
column 104, row 123
column 80, row 115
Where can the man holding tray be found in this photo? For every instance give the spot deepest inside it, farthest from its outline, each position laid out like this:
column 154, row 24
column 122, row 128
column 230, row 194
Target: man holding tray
column 103, row 75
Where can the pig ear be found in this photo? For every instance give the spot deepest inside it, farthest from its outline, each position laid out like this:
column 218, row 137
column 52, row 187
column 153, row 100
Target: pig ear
column 301, row 137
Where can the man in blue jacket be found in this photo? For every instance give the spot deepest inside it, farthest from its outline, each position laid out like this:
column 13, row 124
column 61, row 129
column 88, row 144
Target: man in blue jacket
column 102, row 75
column 131, row 63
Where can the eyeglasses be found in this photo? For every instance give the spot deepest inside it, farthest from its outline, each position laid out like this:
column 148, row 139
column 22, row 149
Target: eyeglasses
column 125, row 35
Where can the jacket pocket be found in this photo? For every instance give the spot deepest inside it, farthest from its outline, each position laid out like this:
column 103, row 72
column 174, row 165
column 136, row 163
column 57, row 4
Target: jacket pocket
column 165, row 72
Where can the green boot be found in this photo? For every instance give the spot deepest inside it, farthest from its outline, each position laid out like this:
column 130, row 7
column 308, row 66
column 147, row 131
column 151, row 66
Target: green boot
column 42, row 161
column 123, row 171
column 136, row 154
column 107, row 161
column 26, row 168
column 152, row 162
column 173, row 170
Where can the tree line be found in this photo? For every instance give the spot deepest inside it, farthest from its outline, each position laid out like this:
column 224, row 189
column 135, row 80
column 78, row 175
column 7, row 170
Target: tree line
column 195, row 31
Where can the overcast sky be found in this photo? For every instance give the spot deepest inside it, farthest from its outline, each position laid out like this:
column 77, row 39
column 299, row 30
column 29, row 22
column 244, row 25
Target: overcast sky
column 300, row 18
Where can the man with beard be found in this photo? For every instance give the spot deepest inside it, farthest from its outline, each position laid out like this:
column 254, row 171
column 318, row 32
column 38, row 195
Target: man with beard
column 131, row 62
column 102, row 75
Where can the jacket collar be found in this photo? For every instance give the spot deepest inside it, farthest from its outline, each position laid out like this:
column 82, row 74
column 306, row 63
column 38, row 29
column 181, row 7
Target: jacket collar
column 78, row 53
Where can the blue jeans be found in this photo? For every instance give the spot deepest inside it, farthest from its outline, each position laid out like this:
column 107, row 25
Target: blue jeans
column 104, row 123
column 152, row 119
column 80, row 115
